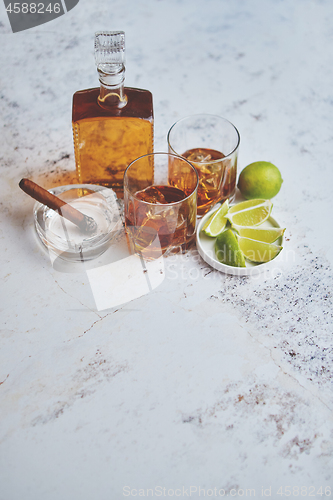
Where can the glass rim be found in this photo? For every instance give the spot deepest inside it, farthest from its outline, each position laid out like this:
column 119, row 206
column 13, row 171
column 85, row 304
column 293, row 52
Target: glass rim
column 209, row 116
column 166, row 154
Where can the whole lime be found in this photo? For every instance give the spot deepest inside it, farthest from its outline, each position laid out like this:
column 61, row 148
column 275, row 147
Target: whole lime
column 260, row 179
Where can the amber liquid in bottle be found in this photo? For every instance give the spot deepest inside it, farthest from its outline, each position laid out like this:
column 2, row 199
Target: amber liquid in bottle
column 113, row 124
column 104, row 144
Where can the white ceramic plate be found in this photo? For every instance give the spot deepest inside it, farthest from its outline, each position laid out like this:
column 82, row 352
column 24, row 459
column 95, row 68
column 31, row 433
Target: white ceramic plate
column 205, row 246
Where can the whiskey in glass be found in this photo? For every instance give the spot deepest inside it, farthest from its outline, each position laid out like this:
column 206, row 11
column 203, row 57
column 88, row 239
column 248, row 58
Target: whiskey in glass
column 211, row 144
column 160, row 212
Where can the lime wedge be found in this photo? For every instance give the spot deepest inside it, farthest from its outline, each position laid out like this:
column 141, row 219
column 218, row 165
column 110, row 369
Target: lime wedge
column 227, row 249
column 267, row 235
column 243, row 205
column 258, row 251
column 250, row 216
column 217, row 221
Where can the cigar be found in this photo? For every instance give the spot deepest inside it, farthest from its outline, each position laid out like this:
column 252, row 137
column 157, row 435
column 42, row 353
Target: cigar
column 84, row 222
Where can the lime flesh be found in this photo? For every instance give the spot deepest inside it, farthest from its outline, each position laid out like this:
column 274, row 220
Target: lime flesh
column 267, row 235
column 252, row 216
column 243, row 205
column 258, row 251
column 217, row 221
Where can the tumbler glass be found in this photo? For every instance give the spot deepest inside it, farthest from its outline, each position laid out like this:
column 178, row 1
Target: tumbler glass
column 160, row 212
column 211, row 144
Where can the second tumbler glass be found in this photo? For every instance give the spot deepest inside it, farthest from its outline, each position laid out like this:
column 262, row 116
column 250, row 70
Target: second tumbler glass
column 211, row 144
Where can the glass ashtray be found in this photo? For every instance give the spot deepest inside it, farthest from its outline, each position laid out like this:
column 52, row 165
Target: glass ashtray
column 63, row 238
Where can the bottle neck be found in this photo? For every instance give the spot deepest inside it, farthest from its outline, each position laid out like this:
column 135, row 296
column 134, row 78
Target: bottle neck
column 112, row 93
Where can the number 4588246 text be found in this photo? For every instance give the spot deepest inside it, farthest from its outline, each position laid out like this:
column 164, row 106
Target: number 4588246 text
column 33, row 8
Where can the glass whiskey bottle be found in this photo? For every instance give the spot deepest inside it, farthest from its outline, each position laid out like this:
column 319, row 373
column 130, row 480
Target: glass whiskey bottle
column 113, row 124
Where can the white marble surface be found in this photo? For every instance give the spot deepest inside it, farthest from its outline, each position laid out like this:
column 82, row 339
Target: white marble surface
column 207, row 381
